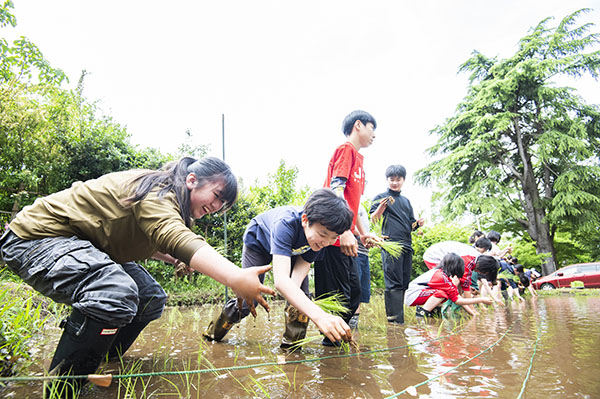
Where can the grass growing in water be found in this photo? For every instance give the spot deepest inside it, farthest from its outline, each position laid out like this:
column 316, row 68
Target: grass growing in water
column 23, row 313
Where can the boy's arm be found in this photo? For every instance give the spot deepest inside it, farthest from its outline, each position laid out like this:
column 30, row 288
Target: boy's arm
column 300, row 271
column 469, row 308
column 494, row 292
column 471, row 301
column 332, row 326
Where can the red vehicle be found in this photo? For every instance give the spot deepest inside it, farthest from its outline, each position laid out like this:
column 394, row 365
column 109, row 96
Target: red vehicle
column 588, row 273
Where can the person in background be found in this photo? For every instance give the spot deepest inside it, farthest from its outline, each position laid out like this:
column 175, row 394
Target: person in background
column 398, row 224
column 435, row 253
column 336, row 271
column 526, row 277
column 434, row 287
column 80, row 246
column 477, row 234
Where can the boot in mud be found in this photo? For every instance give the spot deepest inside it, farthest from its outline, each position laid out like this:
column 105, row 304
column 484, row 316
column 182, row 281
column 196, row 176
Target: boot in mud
column 296, row 325
column 218, row 328
column 394, row 306
column 82, row 346
column 125, row 338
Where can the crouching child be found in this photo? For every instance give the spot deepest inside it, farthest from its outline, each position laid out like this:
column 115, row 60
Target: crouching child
column 434, row 287
column 291, row 238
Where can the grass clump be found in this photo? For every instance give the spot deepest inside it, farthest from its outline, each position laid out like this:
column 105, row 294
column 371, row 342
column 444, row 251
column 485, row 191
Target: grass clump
column 23, row 313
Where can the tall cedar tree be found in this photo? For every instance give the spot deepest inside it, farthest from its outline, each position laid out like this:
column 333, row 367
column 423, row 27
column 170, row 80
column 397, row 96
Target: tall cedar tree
column 520, row 149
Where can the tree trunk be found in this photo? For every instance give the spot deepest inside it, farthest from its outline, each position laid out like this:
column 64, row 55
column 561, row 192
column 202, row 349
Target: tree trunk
column 537, row 226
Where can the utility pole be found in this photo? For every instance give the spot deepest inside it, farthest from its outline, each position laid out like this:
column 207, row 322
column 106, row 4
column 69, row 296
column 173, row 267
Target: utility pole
column 224, row 213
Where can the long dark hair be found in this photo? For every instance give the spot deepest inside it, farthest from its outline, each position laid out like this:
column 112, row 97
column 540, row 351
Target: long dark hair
column 173, row 175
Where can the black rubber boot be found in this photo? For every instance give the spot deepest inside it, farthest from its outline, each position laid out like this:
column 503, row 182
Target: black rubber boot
column 83, row 345
column 394, row 306
column 218, row 328
column 125, row 338
column 296, row 325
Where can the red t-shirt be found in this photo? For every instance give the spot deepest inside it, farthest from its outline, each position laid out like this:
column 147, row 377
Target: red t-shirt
column 347, row 162
column 431, row 283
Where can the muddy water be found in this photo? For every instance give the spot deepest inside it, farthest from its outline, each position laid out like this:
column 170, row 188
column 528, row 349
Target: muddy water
column 486, row 356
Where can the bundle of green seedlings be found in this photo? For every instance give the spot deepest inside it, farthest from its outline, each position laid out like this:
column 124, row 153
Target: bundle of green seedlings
column 393, row 248
column 333, row 304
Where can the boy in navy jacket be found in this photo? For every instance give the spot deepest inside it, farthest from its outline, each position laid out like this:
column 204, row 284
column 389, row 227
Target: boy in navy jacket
column 291, row 238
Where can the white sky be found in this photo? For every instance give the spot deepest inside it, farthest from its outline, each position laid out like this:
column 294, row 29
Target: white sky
column 284, row 73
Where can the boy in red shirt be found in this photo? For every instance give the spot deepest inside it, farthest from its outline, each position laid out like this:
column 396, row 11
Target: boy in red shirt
column 336, row 271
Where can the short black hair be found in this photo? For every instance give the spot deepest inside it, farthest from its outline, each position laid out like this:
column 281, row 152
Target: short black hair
column 483, row 243
column 452, row 265
column 488, row 267
column 475, row 236
column 519, row 268
column 524, row 280
column 395, row 171
column 494, row 236
column 325, row 207
column 354, row 116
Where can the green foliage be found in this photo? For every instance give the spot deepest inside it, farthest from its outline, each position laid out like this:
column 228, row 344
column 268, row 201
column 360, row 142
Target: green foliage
column 21, row 315
column 52, row 137
column 280, row 189
column 521, row 152
column 23, row 60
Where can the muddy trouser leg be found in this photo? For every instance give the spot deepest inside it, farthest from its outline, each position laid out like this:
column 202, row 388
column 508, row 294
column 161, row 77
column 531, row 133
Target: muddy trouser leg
column 231, row 313
column 296, row 323
column 72, row 271
column 152, row 300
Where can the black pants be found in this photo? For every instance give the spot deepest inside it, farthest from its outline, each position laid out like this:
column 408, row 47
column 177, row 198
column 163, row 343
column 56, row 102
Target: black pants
column 396, row 271
column 72, row 271
column 338, row 273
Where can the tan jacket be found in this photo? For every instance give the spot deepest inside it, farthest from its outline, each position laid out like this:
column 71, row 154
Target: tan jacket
column 94, row 211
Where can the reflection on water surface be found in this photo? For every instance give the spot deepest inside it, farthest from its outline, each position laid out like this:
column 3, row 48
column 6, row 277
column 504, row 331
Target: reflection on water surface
column 487, row 356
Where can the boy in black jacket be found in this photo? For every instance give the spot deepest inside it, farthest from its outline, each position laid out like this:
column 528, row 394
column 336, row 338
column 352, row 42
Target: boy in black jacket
column 398, row 224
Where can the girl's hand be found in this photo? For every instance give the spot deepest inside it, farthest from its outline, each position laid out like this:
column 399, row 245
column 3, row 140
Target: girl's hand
column 248, row 287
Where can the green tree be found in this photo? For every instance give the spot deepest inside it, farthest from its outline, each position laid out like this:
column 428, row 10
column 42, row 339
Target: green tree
column 280, row 189
column 521, row 149
column 23, row 60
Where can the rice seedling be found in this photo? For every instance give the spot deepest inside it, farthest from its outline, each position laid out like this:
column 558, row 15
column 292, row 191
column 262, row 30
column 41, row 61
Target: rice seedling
column 332, row 304
column 128, row 385
column 393, row 248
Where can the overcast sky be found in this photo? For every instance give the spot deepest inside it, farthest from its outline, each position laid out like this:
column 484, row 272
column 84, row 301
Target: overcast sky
column 284, row 73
